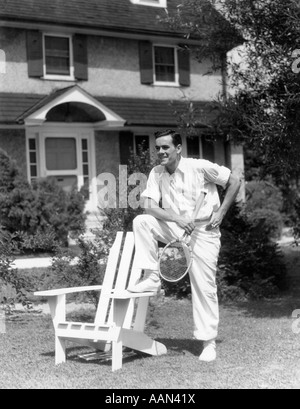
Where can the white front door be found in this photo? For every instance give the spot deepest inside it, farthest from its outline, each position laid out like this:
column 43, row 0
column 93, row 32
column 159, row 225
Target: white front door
column 64, row 154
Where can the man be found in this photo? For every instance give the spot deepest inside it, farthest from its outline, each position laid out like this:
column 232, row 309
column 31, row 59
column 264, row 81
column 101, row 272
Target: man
column 173, row 189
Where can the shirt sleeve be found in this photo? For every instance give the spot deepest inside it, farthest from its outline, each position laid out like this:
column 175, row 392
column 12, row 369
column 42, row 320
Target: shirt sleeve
column 152, row 190
column 215, row 173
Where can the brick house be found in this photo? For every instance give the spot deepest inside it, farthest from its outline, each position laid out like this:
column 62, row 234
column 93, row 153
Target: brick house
column 86, row 81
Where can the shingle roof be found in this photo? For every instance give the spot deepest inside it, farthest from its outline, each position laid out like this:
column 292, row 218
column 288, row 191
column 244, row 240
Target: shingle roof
column 16, row 107
column 106, row 15
column 120, row 15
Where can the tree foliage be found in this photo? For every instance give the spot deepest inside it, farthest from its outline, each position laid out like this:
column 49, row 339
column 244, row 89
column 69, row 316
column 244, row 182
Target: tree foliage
column 263, row 111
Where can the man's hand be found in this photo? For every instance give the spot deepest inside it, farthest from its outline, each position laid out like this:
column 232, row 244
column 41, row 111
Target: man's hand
column 232, row 190
column 187, row 224
column 216, row 220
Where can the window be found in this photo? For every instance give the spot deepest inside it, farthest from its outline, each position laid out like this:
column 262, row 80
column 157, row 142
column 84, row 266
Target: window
column 85, row 167
column 57, row 56
column 153, row 3
column 33, row 158
column 61, row 153
column 165, row 65
column 132, row 143
column 141, row 143
column 193, row 147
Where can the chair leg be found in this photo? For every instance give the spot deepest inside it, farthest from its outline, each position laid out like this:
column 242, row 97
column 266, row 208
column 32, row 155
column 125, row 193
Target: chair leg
column 117, row 354
column 60, row 350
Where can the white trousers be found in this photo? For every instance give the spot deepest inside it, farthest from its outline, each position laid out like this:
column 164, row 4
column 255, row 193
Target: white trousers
column 206, row 247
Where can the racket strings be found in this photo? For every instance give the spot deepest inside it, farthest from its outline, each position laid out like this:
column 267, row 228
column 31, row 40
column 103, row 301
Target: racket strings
column 174, row 262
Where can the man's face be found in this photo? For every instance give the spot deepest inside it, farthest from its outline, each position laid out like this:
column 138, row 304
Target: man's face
column 167, row 152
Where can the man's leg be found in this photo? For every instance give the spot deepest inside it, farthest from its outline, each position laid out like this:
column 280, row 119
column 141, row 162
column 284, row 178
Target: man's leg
column 147, row 232
column 206, row 247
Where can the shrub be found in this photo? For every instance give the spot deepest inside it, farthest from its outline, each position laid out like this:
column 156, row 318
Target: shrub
column 88, row 268
column 42, row 213
column 264, row 205
column 250, row 264
column 8, row 171
column 10, row 276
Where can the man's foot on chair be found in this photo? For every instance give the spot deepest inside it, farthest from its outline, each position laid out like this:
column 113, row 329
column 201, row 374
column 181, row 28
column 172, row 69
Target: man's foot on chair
column 151, row 283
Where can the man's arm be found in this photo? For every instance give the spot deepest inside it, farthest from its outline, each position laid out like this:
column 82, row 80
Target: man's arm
column 153, row 209
column 232, row 189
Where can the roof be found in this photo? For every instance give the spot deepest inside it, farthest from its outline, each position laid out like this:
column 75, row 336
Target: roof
column 105, row 14
column 15, row 108
column 119, row 16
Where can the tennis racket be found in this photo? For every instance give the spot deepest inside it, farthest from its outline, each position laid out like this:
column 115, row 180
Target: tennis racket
column 176, row 257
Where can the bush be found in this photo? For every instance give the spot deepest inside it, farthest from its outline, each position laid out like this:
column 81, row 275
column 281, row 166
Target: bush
column 9, row 276
column 88, row 268
column 43, row 214
column 264, row 204
column 250, row 264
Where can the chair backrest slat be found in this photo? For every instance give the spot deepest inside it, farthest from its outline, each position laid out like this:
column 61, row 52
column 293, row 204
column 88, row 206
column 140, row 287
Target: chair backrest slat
column 108, row 281
column 124, row 269
column 125, row 264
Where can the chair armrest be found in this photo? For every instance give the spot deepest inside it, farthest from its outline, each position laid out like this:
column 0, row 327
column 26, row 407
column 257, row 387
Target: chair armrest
column 62, row 291
column 124, row 294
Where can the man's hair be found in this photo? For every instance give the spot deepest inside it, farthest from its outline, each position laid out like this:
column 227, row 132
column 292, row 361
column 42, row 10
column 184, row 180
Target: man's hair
column 176, row 137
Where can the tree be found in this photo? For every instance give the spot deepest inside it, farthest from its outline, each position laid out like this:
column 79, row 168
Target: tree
column 262, row 112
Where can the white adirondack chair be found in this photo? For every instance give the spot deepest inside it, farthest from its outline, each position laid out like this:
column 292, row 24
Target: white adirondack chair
column 120, row 317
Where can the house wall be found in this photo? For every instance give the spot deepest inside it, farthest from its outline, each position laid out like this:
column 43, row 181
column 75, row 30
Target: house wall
column 13, row 142
column 113, row 70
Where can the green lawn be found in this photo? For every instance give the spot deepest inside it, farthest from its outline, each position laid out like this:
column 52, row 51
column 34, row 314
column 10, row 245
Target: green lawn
column 256, row 349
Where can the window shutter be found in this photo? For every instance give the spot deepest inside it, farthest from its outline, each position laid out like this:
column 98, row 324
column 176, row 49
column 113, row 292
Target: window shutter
column 35, row 53
column 208, row 149
column 80, row 57
column 184, row 67
column 146, row 62
column 126, row 146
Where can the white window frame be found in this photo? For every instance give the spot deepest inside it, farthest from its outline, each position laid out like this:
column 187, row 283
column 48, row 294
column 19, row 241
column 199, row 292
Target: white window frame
column 70, row 77
column 151, row 3
column 166, row 83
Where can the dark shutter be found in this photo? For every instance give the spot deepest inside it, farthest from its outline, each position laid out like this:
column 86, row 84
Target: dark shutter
column 80, row 57
column 184, row 67
column 126, row 146
column 35, row 53
column 208, row 149
column 146, row 62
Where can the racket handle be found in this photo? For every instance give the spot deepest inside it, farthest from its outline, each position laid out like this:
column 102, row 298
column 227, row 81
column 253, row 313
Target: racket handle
column 206, row 219
column 199, row 205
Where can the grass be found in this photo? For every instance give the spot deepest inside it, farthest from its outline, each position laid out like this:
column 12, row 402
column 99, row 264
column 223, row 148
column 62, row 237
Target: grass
column 256, row 347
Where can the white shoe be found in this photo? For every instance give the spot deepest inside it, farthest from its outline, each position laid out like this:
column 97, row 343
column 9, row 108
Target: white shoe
column 209, row 351
column 150, row 283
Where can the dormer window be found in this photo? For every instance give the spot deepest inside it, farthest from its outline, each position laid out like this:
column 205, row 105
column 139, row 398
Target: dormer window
column 153, row 3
